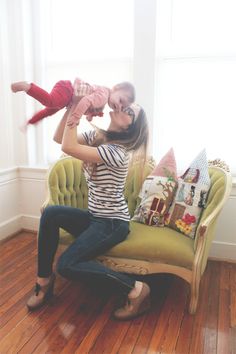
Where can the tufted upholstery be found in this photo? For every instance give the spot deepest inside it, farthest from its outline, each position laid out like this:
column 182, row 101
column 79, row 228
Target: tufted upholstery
column 147, row 249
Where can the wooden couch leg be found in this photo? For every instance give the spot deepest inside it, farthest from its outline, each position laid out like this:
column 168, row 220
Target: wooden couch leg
column 194, row 293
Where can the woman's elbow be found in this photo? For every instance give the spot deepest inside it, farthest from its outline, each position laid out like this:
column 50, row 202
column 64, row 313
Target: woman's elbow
column 66, row 149
column 57, row 140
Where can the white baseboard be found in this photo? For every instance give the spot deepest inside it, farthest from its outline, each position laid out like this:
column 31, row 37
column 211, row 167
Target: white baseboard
column 18, row 223
column 30, row 222
column 10, row 227
column 223, row 251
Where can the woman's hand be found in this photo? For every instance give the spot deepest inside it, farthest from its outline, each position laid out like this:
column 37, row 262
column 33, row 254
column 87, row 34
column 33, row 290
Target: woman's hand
column 73, row 118
column 71, row 146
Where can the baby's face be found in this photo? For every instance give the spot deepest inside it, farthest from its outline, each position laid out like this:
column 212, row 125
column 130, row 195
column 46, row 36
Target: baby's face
column 118, row 100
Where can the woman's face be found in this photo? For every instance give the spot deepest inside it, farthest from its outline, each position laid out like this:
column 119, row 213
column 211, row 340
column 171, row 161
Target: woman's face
column 120, row 121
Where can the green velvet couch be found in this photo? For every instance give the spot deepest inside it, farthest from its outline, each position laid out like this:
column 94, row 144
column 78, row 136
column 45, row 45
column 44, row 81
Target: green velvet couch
column 148, row 249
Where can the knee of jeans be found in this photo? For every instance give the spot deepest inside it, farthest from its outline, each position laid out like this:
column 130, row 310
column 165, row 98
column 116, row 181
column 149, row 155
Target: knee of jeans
column 63, row 265
column 47, row 213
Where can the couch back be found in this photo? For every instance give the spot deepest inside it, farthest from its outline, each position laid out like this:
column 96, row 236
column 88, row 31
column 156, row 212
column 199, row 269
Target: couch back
column 67, row 184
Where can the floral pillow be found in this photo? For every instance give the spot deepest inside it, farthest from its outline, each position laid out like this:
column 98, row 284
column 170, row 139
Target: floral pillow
column 157, row 192
column 190, row 198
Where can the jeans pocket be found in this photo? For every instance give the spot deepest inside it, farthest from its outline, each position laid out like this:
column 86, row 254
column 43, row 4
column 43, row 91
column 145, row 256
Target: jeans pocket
column 120, row 230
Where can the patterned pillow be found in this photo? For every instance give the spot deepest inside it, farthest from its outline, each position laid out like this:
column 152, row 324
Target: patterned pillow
column 190, row 198
column 157, row 192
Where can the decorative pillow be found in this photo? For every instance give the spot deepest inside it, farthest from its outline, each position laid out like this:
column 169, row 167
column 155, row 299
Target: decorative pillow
column 190, row 198
column 157, row 192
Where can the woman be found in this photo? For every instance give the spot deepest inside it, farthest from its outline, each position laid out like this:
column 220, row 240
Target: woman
column 106, row 222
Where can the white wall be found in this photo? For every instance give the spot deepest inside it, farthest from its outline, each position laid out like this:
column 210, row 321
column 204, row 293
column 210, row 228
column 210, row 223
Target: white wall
column 23, row 191
column 12, row 67
column 9, row 202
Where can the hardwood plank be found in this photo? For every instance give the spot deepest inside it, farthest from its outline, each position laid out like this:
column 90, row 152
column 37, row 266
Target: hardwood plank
column 43, row 339
column 223, row 329
column 185, row 331
column 14, row 242
column 88, row 311
column 160, row 288
column 21, row 310
column 110, row 344
column 232, row 340
column 113, row 338
column 46, row 317
column 58, row 337
column 225, row 268
column 158, row 336
column 113, row 331
column 233, row 295
column 132, row 335
column 15, row 303
column 78, row 320
column 199, row 319
column 9, row 253
column 138, row 335
column 179, row 308
column 14, row 286
column 10, row 307
column 12, row 275
column 210, row 327
column 95, row 330
column 15, row 258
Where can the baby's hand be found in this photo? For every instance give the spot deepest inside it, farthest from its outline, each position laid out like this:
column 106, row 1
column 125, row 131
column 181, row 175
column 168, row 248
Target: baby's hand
column 89, row 118
column 94, row 113
column 73, row 120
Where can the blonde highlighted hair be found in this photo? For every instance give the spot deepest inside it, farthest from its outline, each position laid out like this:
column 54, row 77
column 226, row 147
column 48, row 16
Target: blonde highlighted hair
column 135, row 138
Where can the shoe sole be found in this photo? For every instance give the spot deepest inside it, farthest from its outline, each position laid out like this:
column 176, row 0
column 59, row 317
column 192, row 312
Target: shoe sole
column 145, row 307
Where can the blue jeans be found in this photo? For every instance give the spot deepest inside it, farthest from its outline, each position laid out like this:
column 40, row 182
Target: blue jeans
column 93, row 236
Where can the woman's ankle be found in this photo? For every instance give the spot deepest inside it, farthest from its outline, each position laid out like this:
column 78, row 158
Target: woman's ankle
column 135, row 292
column 43, row 281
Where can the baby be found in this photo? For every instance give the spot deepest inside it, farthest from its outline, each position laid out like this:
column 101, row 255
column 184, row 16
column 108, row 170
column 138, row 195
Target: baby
column 90, row 99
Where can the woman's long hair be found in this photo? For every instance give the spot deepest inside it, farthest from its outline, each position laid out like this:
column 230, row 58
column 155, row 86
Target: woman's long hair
column 135, row 138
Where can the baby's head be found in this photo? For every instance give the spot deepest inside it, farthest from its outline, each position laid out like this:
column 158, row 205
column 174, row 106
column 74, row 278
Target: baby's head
column 121, row 96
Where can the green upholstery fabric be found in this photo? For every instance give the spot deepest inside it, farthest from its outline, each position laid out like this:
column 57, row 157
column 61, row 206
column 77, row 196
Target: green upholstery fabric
column 146, row 243
column 216, row 194
column 67, row 186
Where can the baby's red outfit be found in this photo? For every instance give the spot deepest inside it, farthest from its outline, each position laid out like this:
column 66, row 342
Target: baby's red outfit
column 59, row 98
column 92, row 99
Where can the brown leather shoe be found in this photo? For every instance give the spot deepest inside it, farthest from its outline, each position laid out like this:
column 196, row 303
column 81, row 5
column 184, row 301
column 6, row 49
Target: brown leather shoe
column 135, row 307
column 41, row 294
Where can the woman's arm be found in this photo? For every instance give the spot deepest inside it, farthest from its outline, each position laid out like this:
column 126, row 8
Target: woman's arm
column 73, row 147
column 58, row 135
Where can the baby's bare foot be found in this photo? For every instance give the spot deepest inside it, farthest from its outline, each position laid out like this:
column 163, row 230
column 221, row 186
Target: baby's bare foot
column 20, row 86
column 23, row 127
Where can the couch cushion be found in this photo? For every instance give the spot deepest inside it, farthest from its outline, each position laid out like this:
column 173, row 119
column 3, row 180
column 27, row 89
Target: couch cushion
column 134, row 181
column 162, row 245
column 157, row 192
column 191, row 196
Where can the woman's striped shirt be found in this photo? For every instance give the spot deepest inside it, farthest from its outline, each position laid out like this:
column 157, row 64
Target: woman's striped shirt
column 106, row 184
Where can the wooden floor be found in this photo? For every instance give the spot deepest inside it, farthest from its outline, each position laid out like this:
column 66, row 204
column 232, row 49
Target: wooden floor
column 79, row 317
